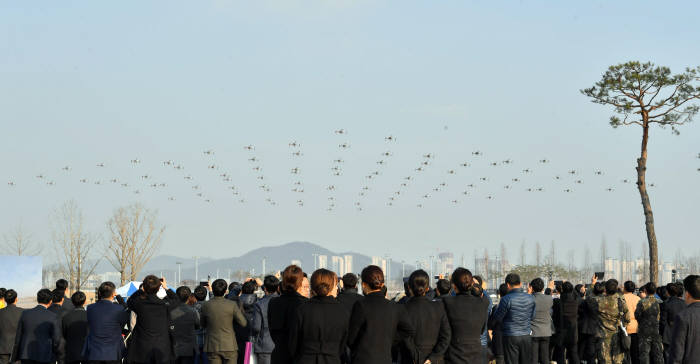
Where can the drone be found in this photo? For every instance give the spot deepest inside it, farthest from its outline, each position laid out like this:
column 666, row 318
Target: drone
column 66, row 168
column 341, row 131
column 297, row 153
column 135, row 161
column 41, row 176
column 252, row 159
column 451, row 171
column 477, row 153
column 100, row 165
column 465, row 164
column 429, row 156
column 249, row 147
column 167, row 163
column 599, row 173
column 544, row 161
column 213, row 166
column 294, row 144
column 387, row 154
column 338, row 161
column 390, row 138
column 508, row 161
column 344, row 145
column 527, row 170
column 209, row 152
column 295, row 170
column 494, row 164
column 381, row 162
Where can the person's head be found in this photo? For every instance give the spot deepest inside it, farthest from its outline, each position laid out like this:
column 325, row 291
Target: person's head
column 419, row 281
column 183, row 293
column 672, row 290
column 598, row 289
column 691, row 285
column 680, row 289
column 577, row 288
column 44, row 296
column 502, row 290
column 349, row 281
column 10, row 296
column 62, row 284
column 661, row 292
column 292, row 278
column 648, row 289
column 78, row 299
column 372, row 279
column 480, row 280
column 218, row 287
column 249, row 287
column 443, row 287
column 271, row 284
column 151, row 284
column 537, row 285
column 324, row 283
column 57, row 296
column 235, row 288
column 630, row 287
column 200, row 293
column 106, row 291
column 305, row 289
column 611, row 287
column 462, row 280
column 513, row 281
column 2, row 294
column 567, row 289
column 548, row 291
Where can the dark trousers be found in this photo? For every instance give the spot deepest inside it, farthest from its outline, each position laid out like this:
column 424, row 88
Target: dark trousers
column 202, row 357
column 104, row 362
column 567, row 350
column 632, row 356
column 184, row 360
column 31, row 362
column 517, row 349
column 264, row 358
column 540, row 350
column 586, row 348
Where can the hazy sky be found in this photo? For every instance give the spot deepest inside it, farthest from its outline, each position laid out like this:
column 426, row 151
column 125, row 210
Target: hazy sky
column 83, row 83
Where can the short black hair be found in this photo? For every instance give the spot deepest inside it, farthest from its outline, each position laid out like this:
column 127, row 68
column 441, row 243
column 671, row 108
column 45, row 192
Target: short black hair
column 691, row 284
column 598, row 289
column 271, row 284
column 183, row 293
column 10, row 296
column 577, row 288
column 548, row 291
column 2, row 293
column 649, row 288
column 419, row 282
column 350, row 280
column 105, row 290
column 513, row 279
column 235, row 288
column 44, row 296
column 661, row 291
column 502, row 289
column 218, row 287
column 443, row 287
column 78, row 298
column 680, row 288
column 200, row 293
column 611, row 286
column 57, row 295
column 672, row 289
column 537, row 285
column 249, row 287
column 630, row 286
column 567, row 288
column 62, row 284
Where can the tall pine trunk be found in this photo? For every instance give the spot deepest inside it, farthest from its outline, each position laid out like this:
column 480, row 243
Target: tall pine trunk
column 646, row 204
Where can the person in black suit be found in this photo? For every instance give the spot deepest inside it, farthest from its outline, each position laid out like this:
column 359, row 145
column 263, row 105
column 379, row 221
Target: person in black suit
column 671, row 307
column 685, row 342
column 348, row 296
column 319, row 330
column 433, row 332
column 376, row 321
column 57, row 299
column 74, row 327
column 282, row 310
column 467, row 313
column 151, row 339
column 9, row 318
column 186, row 321
column 497, row 330
column 38, row 335
column 104, row 343
column 62, row 285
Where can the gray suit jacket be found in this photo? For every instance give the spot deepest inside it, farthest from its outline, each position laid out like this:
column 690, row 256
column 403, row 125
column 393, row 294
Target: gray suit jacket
column 542, row 322
column 9, row 317
column 218, row 317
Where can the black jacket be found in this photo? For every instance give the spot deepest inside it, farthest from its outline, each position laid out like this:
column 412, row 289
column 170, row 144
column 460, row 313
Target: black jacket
column 374, row 323
column 67, row 304
column 243, row 333
column 186, row 321
column 565, row 317
column 319, row 332
column 9, row 318
column 467, row 315
column 669, row 310
column 59, row 310
column 280, row 313
column 348, row 297
column 151, row 340
column 433, row 332
column 74, row 327
column 685, row 340
column 38, row 336
column 589, row 310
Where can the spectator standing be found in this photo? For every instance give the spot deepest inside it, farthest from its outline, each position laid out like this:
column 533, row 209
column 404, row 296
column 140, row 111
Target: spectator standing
column 74, row 327
column 9, row 318
column 631, row 300
column 685, row 341
column 219, row 316
column 497, row 330
column 648, row 314
column 516, row 311
column 566, row 310
column 348, row 296
column 200, row 295
column 442, row 288
column 62, row 285
column 611, row 312
column 282, row 310
column 104, row 343
column 672, row 306
column 247, row 300
column 467, row 314
column 186, row 321
column 260, row 327
column 3, row 304
column 541, row 323
column 484, row 338
column 38, row 335
column 57, row 307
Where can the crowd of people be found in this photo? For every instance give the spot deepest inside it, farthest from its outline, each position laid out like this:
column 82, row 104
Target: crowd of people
column 324, row 319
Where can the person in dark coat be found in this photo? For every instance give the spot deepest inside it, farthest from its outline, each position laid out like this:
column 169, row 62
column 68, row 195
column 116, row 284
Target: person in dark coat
column 186, row 321
column 200, row 294
column 219, row 315
column 516, row 311
column 247, row 300
column 38, row 335
column 9, row 318
column 260, row 327
column 467, row 313
column 282, row 310
column 62, row 285
column 348, row 296
column 685, row 339
column 497, row 330
column 442, row 288
column 74, row 327
column 376, row 321
column 57, row 298
column 151, row 337
column 566, row 310
column 671, row 307
column 433, row 332
column 542, row 322
column 104, row 342
column 319, row 330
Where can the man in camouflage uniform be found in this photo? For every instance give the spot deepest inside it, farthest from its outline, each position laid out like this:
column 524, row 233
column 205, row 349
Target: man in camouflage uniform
column 611, row 311
column 648, row 313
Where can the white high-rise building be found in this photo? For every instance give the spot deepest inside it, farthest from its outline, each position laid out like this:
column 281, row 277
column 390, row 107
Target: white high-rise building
column 348, row 263
column 322, row 261
column 337, row 265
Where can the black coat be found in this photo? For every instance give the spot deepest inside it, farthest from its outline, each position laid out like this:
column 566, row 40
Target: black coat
column 589, row 310
column 151, row 338
column 467, row 315
column 186, row 321
column 348, row 297
column 67, row 304
column 9, row 318
column 497, row 333
column 374, row 324
column 105, row 322
column 685, row 339
column 74, row 327
column 59, row 310
column 433, row 332
column 319, row 332
column 669, row 310
column 565, row 318
column 38, row 336
column 280, row 313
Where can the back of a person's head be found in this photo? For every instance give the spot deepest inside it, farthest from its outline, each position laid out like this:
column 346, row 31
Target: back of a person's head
column 10, row 296
column 249, row 287
column 292, row 277
column 462, row 279
column 680, row 289
column 577, row 288
column 322, row 282
column 183, row 293
column 235, row 288
column 373, row 277
column 502, row 290
column 105, row 290
column 661, row 291
column 271, row 284
column 598, row 289
column 200, row 293
column 513, row 279
column 44, row 296
column 57, row 295
column 350, row 280
column 537, row 285
column 62, row 284
column 218, row 287
column 567, row 288
column 2, row 293
column 691, row 284
column 78, row 299
column 672, row 289
column 151, row 284
column 479, row 280
column 611, row 287
column 630, row 287
column 443, row 287
column 649, row 288
column 419, row 282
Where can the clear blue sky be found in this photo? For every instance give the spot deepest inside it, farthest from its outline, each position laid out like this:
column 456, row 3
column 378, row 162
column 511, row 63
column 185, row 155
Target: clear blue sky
column 83, row 83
